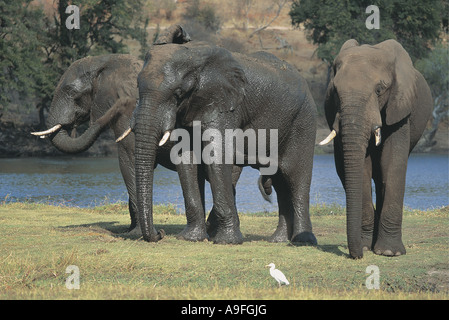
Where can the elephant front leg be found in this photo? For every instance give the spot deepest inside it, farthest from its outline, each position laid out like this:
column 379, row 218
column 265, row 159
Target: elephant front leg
column 227, row 220
column 192, row 183
column 126, row 163
column 394, row 167
column 212, row 220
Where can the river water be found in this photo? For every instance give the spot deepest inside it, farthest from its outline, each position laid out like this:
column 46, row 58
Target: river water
column 87, row 182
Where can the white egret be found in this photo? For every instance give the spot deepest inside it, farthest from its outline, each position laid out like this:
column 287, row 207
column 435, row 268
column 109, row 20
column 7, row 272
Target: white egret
column 277, row 275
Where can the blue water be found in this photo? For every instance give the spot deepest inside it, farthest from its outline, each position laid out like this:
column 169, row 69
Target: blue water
column 94, row 181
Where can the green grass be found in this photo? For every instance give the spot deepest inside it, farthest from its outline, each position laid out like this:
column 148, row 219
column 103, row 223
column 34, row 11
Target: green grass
column 38, row 242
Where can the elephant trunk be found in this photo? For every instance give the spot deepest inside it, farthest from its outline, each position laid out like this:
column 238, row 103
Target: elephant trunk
column 62, row 139
column 354, row 141
column 148, row 133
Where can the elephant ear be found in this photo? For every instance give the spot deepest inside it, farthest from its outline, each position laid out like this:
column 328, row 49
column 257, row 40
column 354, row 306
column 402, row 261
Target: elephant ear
column 173, row 34
column 219, row 85
column 329, row 102
column 349, row 44
column 404, row 83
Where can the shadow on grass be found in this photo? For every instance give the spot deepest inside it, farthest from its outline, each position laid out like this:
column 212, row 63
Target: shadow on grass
column 110, row 226
column 122, row 231
column 333, row 248
column 336, row 249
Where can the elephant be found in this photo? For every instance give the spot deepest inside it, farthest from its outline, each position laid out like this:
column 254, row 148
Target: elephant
column 377, row 106
column 199, row 86
column 103, row 90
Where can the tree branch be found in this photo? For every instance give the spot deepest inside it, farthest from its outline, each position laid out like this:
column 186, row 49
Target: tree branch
column 281, row 5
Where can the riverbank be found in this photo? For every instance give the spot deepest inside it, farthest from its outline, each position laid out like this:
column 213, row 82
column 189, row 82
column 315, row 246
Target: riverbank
column 16, row 141
column 40, row 241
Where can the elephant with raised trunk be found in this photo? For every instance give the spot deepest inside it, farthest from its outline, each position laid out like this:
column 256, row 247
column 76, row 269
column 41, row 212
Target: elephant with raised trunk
column 198, row 82
column 377, row 106
column 102, row 90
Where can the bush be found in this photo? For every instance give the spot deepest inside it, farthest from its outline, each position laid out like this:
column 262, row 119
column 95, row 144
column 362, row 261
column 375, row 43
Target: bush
column 204, row 15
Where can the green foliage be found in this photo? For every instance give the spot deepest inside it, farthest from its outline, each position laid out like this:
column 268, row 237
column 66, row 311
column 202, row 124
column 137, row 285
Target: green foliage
column 22, row 73
column 36, row 49
column 103, row 27
column 415, row 24
column 435, row 69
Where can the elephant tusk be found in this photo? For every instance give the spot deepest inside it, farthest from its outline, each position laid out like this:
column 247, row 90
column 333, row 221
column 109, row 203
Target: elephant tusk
column 164, row 138
column 329, row 138
column 377, row 136
column 43, row 134
column 124, row 135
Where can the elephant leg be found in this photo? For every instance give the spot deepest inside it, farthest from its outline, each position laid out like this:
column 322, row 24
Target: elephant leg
column 394, row 167
column 212, row 220
column 126, row 163
column 228, row 224
column 293, row 200
column 367, row 206
column 192, row 182
column 283, row 230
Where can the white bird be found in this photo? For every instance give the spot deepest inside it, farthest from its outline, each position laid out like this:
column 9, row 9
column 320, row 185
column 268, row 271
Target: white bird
column 277, row 275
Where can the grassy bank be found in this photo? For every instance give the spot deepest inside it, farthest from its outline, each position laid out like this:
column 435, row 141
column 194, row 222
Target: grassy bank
column 38, row 242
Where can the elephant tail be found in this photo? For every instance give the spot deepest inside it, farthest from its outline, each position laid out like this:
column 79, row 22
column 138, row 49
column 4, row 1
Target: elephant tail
column 265, row 189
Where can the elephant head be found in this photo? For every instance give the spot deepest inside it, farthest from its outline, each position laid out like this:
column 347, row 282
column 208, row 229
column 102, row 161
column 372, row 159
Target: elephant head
column 90, row 90
column 178, row 85
column 96, row 89
column 371, row 88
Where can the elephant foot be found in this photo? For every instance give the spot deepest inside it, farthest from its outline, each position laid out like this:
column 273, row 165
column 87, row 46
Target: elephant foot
column 212, row 225
column 135, row 232
column 367, row 243
column 154, row 236
column 304, row 238
column 193, row 233
column 280, row 235
column 230, row 235
column 389, row 248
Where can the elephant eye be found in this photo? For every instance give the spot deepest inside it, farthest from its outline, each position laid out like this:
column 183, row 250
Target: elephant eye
column 178, row 93
column 379, row 89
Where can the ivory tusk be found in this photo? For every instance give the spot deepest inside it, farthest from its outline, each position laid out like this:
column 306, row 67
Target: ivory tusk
column 164, row 138
column 42, row 134
column 124, row 135
column 329, row 138
column 378, row 137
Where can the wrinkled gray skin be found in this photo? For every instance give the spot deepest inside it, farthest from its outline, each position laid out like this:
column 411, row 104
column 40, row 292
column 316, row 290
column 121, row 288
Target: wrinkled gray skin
column 198, row 81
column 103, row 91
column 371, row 87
